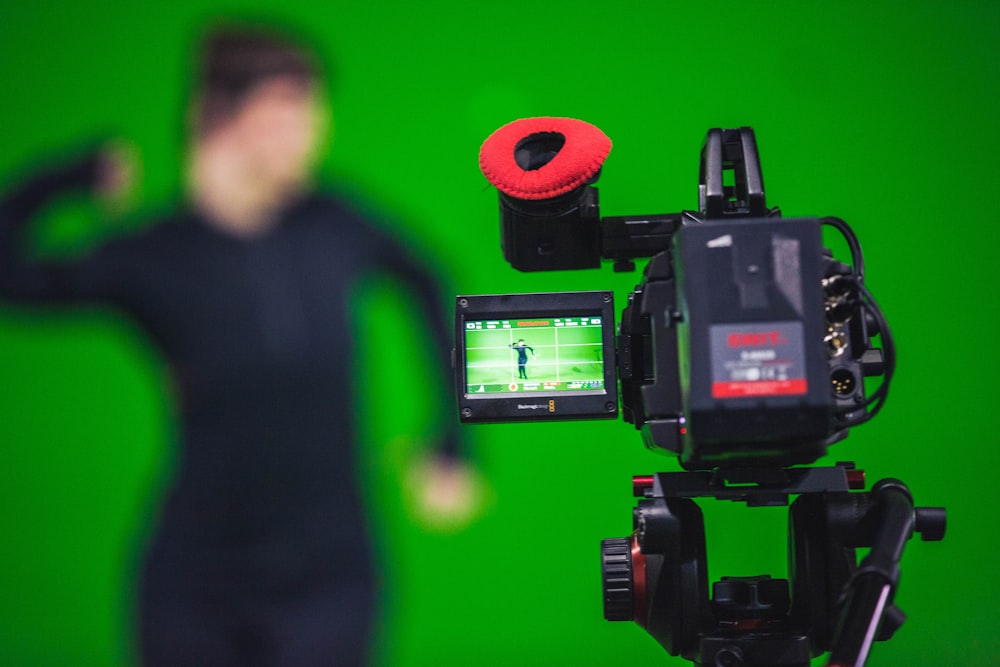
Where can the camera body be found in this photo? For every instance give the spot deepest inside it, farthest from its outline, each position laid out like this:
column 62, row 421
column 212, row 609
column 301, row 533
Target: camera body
column 745, row 344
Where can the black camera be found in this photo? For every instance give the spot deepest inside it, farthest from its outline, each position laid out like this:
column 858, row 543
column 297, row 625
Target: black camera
column 746, row 343
column 744, row 350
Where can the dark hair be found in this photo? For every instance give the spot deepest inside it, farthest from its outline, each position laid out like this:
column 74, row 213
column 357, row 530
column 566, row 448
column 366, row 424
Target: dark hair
column 233, row 60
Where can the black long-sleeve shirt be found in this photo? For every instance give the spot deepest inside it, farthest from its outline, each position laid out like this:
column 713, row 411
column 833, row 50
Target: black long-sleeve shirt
column 257, row 334
column 522, row 352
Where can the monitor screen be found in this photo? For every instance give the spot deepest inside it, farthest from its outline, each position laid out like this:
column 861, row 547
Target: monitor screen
column 537, row 355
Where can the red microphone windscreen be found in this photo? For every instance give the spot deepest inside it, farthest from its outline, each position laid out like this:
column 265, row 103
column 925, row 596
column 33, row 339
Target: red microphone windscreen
column 541, row 158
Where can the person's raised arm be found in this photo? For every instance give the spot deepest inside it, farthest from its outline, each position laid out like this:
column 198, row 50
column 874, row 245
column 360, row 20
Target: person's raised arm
column 101, row 173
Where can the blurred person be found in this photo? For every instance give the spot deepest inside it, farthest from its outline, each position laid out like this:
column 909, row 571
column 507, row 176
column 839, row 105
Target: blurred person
column 260, row 555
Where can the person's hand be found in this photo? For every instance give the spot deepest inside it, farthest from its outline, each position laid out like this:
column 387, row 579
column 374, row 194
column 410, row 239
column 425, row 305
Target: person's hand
column 118, row 172
column 445, row 494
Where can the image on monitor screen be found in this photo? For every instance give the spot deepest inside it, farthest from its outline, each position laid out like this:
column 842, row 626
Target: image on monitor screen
column 541, row 355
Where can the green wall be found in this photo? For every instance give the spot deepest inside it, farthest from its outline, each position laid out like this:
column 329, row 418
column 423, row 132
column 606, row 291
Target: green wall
column 879, row 112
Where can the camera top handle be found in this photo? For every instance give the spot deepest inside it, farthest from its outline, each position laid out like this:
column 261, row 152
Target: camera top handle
column 740, row 195
column 734, row 151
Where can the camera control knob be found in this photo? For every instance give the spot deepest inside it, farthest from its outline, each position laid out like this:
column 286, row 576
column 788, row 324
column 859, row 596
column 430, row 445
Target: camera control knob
column 616, row 575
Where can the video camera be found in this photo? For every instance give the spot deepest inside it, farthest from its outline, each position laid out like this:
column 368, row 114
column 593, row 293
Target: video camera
column 743, row 350
column 746, row 343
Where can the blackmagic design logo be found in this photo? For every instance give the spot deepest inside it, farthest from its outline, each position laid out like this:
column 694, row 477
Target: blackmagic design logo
column 532, row 406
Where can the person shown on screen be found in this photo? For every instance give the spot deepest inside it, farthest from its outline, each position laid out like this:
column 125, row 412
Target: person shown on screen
column 260, row 555
column 522, row 357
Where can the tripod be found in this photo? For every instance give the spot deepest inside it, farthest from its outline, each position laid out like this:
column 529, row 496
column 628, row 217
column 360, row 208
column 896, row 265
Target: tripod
column 830, row 602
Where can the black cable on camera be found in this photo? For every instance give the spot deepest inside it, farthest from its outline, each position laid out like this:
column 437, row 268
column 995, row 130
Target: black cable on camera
column 868, row 306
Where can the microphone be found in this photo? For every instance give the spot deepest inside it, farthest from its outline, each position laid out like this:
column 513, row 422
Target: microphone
column 541, row 158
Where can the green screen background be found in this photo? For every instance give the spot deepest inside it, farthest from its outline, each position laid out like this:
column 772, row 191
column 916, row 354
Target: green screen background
column 882, row 113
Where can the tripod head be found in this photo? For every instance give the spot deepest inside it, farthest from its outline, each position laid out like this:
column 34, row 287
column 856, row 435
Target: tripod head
column 829, row 602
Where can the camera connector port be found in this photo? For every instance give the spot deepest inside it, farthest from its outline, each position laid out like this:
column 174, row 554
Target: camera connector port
column 836, row 341
column 843, row 381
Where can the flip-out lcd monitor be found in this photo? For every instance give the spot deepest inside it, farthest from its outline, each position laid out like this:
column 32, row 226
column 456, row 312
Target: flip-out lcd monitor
column 536, row 356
